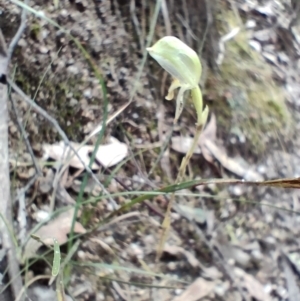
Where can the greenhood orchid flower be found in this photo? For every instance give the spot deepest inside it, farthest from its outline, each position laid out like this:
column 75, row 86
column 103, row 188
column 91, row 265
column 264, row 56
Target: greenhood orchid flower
column 184, row 65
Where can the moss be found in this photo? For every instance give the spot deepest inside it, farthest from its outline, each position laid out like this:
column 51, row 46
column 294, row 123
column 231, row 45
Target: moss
column 55, row 102
column 248, row 95
column 34, row 30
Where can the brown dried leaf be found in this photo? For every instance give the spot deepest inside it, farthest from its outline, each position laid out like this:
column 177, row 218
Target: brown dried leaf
column 209, row 134
column 45, row 182
column 183, row 144
column 191, row 213
column 241, row 257
column 58, row 228
column 210, row 131
column 199, row 289
column 59, row 152
column 107, row 155
column 112, row 153
column 231, row 164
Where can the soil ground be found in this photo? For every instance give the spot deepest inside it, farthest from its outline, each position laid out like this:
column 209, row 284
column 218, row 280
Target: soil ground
column 227, row 242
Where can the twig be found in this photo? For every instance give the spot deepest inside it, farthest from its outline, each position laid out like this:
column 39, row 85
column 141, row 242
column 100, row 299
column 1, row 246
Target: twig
column 22, row 216
column 25, row 136
column 165, row 13
column 18, row 34
column 50, row 119
column 209, row 22
column 5, row 204
column 136, row 23
column 24, row 189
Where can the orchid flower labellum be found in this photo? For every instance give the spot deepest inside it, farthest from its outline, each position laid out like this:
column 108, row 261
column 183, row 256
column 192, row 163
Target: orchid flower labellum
column 184, row 65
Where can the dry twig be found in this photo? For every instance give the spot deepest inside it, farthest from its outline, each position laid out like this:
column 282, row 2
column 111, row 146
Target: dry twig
column 18, row 34
column 25, row 136
column 6, row 221
column 53, row 121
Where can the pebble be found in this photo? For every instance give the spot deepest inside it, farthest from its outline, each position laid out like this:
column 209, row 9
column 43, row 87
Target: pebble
column 41, row 215
column 73, row 102
column 178, row 291
column 87, row 93
column 250, row 24
column 270, row 57
column 43, row 50
column 22, row 43
column 172, row 265
column 100, row 296
column 109, row 240
column 73, row 70
column 136, row 251
column 64, row 13
column 255, row 45
column 256, row 254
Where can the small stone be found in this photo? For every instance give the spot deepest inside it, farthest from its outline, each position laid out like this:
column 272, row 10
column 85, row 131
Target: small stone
column 87, row 93
column 43, row 50
column 73, row 70
column 64, row 13
column 109, row 240
column 255, row 45
column 283, row 57
column 178, row 291
column 250, row 24
column 263, row 35
column 269, row 218
column 172, row 266
column 262, row 169
column 22, row 43
column 270, row 57
column 73, row 102
column 100, row 296
column 70, row 62
column 41, row 215
column 256, row 254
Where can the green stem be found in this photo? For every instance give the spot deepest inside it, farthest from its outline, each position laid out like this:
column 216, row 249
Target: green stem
column 198, row 103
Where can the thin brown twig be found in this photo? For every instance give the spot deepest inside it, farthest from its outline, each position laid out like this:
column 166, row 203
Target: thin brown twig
column 25, row 136
column 64, row 137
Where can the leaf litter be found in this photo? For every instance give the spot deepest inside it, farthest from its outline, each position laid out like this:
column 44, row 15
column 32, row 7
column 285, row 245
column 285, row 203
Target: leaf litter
column 256, row 221
column 58, row 228
column 107, row 155
column 211, row 151
column 199, row 289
